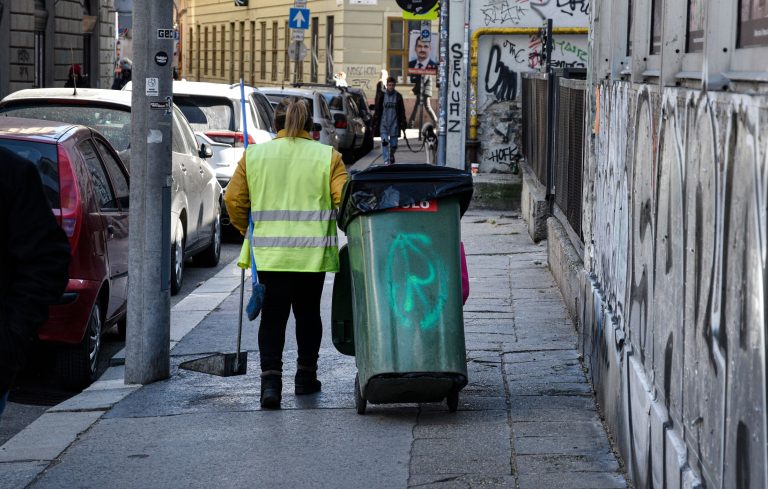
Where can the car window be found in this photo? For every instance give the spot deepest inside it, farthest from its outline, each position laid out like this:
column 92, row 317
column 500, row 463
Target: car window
column 186, row 131
column 114, row 123
column 208, row 113
column 178, row 145
column 45, row 158
column 104, row 195
column 352, row 106
column 335, row 102
column 115, row 170
column 325, row 113
column 275, row 98
column 264, row 111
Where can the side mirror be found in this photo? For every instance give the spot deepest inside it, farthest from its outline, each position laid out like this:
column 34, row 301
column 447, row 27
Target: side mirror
column 317, row 127
column 205, row 151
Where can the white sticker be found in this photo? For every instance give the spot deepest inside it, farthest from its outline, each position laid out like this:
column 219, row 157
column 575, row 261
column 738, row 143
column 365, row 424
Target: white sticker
column 155, row 136
column 152, row 87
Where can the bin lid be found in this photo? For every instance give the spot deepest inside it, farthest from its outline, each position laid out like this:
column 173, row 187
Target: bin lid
column 378, row 188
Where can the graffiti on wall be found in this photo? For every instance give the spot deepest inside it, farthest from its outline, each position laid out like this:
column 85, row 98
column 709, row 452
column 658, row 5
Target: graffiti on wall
column 454, row 119
column 509, row 13
column 501, row 61
column 363, row 76
column 678, row 240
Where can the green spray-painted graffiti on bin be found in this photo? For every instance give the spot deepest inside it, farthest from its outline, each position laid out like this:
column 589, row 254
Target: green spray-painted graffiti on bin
column 417, row 289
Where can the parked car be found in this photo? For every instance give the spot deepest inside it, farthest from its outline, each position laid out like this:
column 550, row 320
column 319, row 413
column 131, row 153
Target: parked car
column 323, row 129
column 349, row 125
column 86, row 185
column 361, row 100
column 214, row 109
column 196, row 194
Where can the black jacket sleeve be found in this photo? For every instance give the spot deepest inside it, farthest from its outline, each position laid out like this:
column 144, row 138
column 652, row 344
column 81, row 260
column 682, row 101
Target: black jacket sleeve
column 401, row 120
column 34, row 257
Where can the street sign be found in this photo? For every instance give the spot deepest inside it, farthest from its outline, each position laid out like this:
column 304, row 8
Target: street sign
column 302, row 50
column 300, row 3
column 167, row 34
column 298, row 18
column 417, row 6
column 298, row 35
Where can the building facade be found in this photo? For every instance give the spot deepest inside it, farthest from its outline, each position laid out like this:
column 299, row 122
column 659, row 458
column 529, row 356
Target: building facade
column 41, row 39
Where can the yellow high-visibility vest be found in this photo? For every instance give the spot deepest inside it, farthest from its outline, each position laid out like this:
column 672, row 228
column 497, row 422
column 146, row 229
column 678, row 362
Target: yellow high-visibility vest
column 294, row 220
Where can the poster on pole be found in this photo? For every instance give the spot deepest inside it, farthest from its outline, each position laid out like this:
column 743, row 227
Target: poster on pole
column 422, row 53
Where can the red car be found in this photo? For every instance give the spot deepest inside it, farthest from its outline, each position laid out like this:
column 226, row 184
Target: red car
column 86, row 185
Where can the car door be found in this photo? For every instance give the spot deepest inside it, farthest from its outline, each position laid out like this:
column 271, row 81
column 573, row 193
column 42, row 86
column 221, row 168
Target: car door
column 190, row 181
column 327, row 122
column 114, row 228
column 205, row 183
column 118, row 253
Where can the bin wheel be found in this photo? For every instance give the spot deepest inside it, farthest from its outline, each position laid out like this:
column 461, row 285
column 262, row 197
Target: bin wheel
column 360, row 402
column 453, row 401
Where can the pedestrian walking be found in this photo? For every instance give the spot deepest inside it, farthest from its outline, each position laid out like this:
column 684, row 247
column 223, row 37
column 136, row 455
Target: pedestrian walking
column 389, row 120
column 34, row 256
column 291, row 186
column 422, row 89
column 381, row 86
column 125, row 74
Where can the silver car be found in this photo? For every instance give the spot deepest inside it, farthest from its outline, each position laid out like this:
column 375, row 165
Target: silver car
column 197, row 196
column 323, row 129
column 350, row 127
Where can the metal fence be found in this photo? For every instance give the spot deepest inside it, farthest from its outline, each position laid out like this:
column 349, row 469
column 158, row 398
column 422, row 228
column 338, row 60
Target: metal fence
column 535, row 109
column 553, row 136
column 569, row 145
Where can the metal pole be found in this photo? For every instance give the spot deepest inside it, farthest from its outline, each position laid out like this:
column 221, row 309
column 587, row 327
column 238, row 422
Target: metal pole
column 443, row 78
column 147, row 357
column 296, row 62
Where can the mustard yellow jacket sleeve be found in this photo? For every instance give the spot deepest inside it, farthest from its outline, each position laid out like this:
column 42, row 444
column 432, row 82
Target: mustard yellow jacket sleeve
column 238, row 201
column 236, row 198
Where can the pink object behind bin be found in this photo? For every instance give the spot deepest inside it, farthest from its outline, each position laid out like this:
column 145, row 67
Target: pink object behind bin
column 464, row 276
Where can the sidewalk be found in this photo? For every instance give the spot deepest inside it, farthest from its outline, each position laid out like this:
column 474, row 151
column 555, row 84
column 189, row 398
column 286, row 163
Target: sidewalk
column 527, row 419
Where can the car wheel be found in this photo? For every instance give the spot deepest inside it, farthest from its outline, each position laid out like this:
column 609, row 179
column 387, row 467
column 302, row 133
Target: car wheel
column 177, row 259
column 209, row 257
column 77, row 365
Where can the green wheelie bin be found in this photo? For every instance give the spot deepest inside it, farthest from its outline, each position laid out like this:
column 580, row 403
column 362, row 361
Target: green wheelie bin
column 397, row 302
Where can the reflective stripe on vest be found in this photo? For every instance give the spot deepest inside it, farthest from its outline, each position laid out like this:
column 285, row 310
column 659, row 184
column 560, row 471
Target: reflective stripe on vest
column 294, row 223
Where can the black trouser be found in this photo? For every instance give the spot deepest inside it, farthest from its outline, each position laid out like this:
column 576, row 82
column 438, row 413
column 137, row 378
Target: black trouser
column 300, row 291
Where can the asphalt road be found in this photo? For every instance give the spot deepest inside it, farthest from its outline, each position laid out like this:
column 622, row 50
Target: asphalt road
column 36, row 390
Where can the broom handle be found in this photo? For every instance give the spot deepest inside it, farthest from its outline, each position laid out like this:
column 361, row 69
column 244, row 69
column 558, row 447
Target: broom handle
column 240, row 320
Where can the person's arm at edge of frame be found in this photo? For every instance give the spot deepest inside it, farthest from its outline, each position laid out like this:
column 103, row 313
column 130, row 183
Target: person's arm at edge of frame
column 338, row 177
column 237, row 199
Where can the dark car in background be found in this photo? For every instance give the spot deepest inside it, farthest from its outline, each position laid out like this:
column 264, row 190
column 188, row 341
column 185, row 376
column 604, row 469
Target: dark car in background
column 361, row 101
column 196, row 199
column 346, row 119
column 86, row 185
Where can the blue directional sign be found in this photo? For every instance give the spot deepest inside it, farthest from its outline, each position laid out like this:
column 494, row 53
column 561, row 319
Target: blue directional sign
column 298, row 18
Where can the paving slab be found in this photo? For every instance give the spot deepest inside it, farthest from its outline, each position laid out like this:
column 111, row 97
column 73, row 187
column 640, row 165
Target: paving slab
column 47, row 436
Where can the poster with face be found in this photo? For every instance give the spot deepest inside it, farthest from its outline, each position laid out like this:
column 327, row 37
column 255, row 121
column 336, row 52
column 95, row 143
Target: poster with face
column 422, row 54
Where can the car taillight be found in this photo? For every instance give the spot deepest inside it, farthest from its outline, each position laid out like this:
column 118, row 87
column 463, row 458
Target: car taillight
column 71, row 213
column 233, row 138
column 341, row 124
column 315, row 135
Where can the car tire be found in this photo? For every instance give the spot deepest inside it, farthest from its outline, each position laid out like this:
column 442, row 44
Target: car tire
column 177, row 259
column 210, row 256
column 77, row 365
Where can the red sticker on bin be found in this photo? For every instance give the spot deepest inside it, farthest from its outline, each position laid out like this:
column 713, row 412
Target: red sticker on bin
column 422, row 206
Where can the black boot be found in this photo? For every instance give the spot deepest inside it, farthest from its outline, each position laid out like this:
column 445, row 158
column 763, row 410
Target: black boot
column 306, row 381
column 271, row 390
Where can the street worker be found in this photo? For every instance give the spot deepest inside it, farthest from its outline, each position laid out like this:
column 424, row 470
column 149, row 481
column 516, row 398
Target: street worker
column 34, row 257
column 292, row 186
column 389, row 120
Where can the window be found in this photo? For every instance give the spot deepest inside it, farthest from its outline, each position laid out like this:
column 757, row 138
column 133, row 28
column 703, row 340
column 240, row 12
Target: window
column 263, row 68
column 274, row 51
column 287, row 63
column 39, row 59
column 188, row 67
column 223, row 49
column 694, row 39
column 313, row 50
column 656, row 20
column 629, row 28
column 115, row 170
column 329, row 48
column 752, row 24
column 101, row 186
column 232, row 52
column 398, row 39
column 242, row 50
column 197, row 43
column 213, row 49
column 252, row 53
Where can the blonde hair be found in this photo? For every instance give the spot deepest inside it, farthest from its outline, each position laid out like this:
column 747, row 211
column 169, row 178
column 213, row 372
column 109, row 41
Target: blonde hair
column 292, row 114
